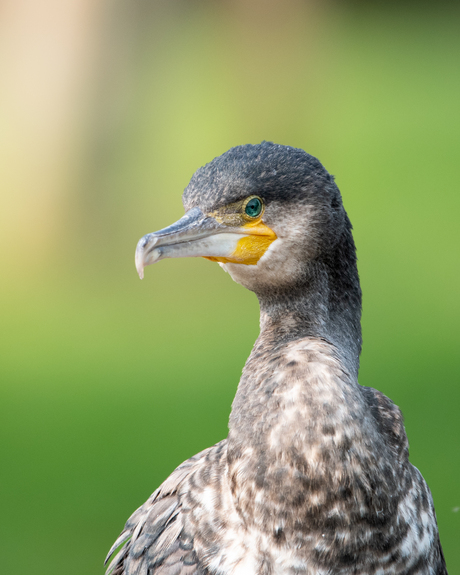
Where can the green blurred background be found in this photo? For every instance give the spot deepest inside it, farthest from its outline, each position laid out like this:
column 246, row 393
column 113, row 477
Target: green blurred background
column 106, row 110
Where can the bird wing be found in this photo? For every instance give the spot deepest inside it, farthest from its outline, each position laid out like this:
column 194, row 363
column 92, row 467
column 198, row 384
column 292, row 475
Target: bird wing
column 154, row 540
column 416, row 499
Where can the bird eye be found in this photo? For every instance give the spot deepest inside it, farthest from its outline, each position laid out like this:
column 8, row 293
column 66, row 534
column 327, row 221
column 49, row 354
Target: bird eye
column 253, row 207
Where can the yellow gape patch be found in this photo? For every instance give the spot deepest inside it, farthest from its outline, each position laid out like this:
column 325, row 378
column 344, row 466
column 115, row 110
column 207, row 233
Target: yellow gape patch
column 250, row 248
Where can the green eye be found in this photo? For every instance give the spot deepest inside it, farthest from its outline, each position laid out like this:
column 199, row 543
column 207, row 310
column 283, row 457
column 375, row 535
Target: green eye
column 253, row 207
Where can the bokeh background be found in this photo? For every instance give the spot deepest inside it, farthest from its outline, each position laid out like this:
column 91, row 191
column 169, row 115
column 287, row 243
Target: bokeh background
column 106, row 110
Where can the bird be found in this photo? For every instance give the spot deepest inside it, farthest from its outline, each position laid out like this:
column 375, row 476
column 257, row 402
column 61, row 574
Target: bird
column 314, row 477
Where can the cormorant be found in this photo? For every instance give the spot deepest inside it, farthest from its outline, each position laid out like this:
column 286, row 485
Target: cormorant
column 314, row 476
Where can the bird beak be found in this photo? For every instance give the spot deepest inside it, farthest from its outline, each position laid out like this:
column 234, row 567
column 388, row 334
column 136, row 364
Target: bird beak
column 199, row 235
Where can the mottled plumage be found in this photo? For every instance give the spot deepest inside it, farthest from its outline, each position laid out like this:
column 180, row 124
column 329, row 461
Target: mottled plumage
column 314, row 477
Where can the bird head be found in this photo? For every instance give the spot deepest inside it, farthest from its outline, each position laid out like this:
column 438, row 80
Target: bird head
column 263, row 212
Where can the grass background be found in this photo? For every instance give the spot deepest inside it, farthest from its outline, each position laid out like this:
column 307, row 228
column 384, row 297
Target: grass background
column 108, row 383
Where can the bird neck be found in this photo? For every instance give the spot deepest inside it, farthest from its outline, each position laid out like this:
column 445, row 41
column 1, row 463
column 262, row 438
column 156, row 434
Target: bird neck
column 309, row 333
column 325, row 304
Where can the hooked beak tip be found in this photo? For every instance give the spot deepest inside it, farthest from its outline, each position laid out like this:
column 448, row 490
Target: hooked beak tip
column 140, row 263
column 139, row 257
column 146, row 253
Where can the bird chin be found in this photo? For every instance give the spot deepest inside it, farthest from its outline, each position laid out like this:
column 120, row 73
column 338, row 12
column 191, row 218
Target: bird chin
column 273, row 268
column 250, row 277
